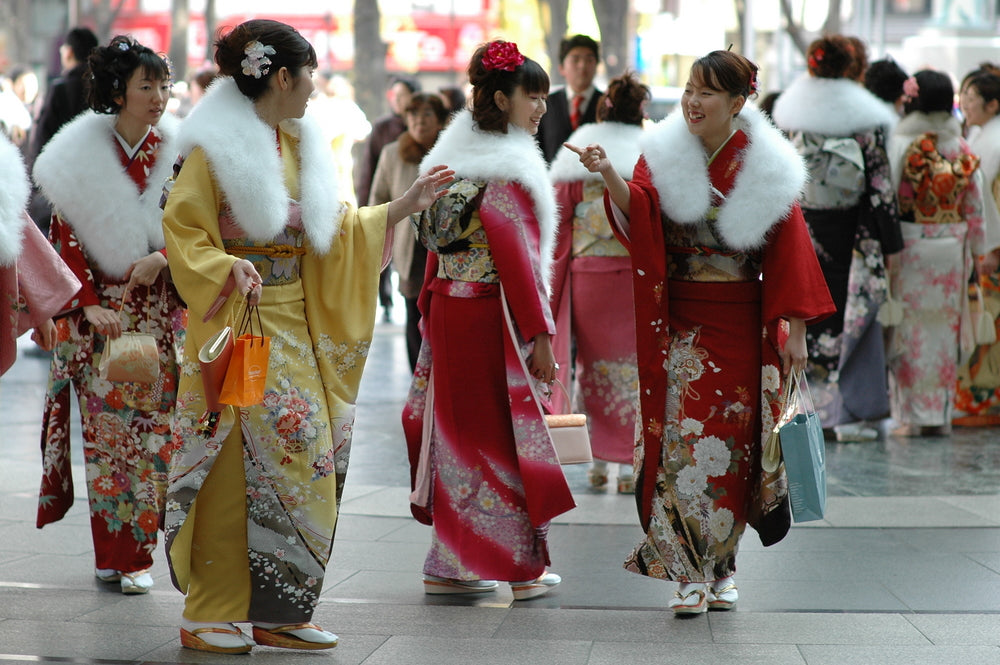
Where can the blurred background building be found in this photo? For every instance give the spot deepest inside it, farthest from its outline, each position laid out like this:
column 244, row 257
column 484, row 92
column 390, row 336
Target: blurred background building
column 369, row 40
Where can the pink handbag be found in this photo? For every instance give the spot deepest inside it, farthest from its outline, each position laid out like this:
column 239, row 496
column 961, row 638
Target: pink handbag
column 570, row 435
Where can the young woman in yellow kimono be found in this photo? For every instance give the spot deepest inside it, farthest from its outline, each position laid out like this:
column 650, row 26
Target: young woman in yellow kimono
column 253, row 215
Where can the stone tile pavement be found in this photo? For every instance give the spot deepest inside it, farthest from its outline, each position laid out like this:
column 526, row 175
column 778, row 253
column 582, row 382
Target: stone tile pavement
column 905, row 569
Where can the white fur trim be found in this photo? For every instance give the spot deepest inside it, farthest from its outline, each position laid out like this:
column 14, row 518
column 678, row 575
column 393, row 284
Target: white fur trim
column 620, row 142
column 243, row 156
column 81, row 175
column 915, row 124
column 769, row 182
column 479, row 155
column 13, row 197
column 831, row 107
column 986, row 144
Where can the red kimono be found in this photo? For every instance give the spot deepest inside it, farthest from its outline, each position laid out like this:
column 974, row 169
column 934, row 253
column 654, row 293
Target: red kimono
column 710, row 292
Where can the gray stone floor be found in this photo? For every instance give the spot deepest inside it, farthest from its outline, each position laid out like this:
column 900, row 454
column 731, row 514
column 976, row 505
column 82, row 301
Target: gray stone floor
column 905, row 569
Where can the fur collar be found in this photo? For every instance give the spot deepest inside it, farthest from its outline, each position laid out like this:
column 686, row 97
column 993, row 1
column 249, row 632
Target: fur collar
column 768, row 184
column 986, row 144
column 831, row 107
column 244, row 159
column 911, row 127
column 620, row 142
column 13, row 198
column 80, row 173
column 479, row 155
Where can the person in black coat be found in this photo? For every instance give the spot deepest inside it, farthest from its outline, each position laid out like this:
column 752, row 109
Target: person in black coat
column 65, row 99
column 578, row 58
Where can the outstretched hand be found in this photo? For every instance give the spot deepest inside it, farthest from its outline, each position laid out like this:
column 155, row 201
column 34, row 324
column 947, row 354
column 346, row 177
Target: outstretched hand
column 424, row 191
column 592, row 157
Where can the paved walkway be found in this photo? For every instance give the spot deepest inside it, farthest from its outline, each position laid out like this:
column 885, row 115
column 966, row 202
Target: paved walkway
column 905, row 570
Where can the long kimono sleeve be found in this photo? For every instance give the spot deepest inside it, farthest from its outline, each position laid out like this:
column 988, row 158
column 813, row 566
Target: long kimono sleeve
column 198, row 261
column 568, row 195
column 881, row 195
column 68, row 247
column 508, row 218
column 793, row 282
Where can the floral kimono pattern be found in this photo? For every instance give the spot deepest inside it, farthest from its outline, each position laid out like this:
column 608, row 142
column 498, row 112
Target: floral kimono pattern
column 126, row 426
column 942, row 203
column 483, row 467
column 852, row 213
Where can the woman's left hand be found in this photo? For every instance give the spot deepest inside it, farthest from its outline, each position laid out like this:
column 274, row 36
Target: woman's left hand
column 542, row 362
column 794, row 354
column 147, row 269
column 424, row 191
column 45, row 335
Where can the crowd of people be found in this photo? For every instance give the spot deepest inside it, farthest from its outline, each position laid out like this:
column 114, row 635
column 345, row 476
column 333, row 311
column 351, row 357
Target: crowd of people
column 670, row 281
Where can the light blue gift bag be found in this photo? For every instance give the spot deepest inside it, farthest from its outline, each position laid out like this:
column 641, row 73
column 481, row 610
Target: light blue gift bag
column 803, row 451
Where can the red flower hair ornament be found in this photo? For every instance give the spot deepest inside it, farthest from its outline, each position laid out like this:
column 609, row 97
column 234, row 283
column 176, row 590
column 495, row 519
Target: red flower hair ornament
column 502, row 55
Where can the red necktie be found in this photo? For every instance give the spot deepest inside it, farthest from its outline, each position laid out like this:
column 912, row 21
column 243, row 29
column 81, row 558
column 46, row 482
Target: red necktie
column 574, row 116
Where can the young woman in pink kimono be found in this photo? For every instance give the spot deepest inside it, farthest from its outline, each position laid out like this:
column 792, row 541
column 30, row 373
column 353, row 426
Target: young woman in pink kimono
column 34, row 281
column 484, row 469
column 592, row 283
column 254, row 217
column 945, row 228
column 103, row 173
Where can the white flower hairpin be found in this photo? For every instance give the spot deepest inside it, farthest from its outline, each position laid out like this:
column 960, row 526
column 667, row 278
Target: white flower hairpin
column 256, row 63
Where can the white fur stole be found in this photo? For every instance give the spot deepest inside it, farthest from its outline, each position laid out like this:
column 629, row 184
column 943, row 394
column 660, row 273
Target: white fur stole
column 986, row 144
column 81, row 175
column 13, row 198
column 479, row 155
column 831, row 107
column 620, row 143
column 243, row 156
column 770, row 180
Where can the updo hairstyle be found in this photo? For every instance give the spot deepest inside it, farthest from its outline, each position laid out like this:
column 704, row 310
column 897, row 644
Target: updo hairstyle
column 110, row 67
column 624, row 100
column 291, row 50
column 884, row 79
column 529, row 76
column 936, row 93
column 727, row 72
column 831, row 57
column 859, row 59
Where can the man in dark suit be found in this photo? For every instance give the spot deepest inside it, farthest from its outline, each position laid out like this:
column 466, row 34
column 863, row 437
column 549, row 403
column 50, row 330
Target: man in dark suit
column 576, row 103
column 65, row 99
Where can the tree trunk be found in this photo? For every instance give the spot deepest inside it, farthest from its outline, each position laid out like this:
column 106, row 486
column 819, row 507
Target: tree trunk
column 741, row 17
column 554, row 24
column 612, row 18
column 180, row 20
column 210, row 21
column 794, row 30
column 832, row 24
column 104, row 13
column 369, row 59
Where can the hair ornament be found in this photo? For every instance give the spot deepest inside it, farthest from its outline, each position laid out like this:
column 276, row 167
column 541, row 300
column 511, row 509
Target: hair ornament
column 816, row 57
column 502, row 55
column 123, row 46
column 910, row 88
column 256, row 63
column 607, row 103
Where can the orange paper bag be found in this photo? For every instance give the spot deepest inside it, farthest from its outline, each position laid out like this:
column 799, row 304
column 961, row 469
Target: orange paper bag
column 247, row 373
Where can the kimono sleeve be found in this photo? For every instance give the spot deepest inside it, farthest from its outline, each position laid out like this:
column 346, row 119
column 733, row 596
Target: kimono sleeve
column 198, row 261
column 68, row 247
column 508, row 217
column 793, row 282
column 568, row 195
column 881, row 196
column 644, row 205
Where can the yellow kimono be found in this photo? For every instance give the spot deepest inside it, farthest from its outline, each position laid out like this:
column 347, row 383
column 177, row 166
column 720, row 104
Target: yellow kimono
column 252, row 509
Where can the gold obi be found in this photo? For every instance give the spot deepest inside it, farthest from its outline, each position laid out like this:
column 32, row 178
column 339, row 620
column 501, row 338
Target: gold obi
column 474, row 264
column 277, row 260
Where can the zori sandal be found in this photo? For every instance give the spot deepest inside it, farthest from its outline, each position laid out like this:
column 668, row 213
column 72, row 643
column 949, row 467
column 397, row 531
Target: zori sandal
column 295, row 636
column 689, row 599
column 215, row 639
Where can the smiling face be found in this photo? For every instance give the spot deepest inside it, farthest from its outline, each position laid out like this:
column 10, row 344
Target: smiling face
column 709, row 112
column 144, row 100
column 523, row 109
column 977, row 111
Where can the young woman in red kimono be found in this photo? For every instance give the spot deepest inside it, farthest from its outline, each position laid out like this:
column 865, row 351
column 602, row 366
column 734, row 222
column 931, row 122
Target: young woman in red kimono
column 103, row 173
column 595, row 320
column 484, row 468
column 724, row 283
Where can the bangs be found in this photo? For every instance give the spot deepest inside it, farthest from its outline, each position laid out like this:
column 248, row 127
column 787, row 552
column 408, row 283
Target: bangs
column 705, row 76
column 533, row 77
column 154, row 67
